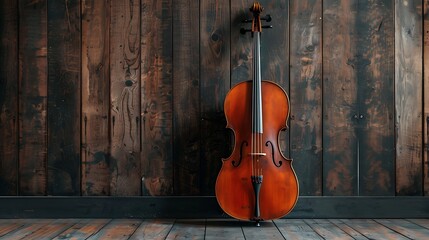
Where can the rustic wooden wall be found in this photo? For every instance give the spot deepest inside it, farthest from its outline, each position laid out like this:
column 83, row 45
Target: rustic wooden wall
column 126, row 97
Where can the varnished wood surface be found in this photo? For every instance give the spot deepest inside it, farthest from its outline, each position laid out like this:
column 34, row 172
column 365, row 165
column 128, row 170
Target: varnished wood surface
column 213, row 229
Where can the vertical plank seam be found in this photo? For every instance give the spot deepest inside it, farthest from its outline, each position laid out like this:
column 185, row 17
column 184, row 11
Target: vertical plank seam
column 173, row 123
column 81, row 99
column 109, row 80
column 18, row 119
column 395, row 132
column 423, row 98
column 46, row 123
column 139, row 117
column 200, row 139
column 322, row 119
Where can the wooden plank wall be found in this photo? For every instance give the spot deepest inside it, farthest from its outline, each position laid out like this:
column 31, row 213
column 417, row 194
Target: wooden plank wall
column 125, row 97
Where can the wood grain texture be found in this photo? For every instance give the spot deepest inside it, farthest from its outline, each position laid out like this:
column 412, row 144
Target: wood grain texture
column 214, row 85
column 426, row 97
column 51, row 230
column 7, row 226
column 374, row 65
column 125, row 97
column 421, row 222
column 154, row 229
column 241, row 45
column 223, row 229
column 28, row 228
column 117, row 229
column 306, row 94
column 8, row 97
column 408, row 96
column 186, row 97
column 326, row 229
column 33, row 70
column 157, row 98
column 64, row 90
column 275, row 53
column 339, row 98
column 274, row 48
column 187, row 229
column 347, row 229
column 83, row 229
column 406, row 228
column 95, row 115
column 372, row 230
column 296, row 229
column 267, row 230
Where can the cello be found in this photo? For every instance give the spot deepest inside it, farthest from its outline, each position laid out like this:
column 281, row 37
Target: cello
column 256, row 182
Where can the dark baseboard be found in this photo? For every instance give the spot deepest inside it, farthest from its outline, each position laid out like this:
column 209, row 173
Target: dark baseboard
column 205, row 207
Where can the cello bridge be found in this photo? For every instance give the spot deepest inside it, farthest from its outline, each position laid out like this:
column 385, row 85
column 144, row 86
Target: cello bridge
column 257, row 154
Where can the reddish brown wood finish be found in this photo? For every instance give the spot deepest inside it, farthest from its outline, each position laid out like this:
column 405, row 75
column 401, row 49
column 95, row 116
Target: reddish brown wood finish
column 279, row 189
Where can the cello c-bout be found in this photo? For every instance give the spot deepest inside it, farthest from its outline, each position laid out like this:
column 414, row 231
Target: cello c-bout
column 256, row 182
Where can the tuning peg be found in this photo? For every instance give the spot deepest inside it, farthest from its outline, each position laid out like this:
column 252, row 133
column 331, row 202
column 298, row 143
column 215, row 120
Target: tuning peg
column 244, row 31
column 267, row 26
column 267, row 18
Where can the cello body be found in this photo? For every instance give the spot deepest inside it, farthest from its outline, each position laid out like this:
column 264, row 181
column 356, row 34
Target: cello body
column 256, row 182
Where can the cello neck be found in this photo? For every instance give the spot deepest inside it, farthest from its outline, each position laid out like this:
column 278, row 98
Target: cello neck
column 257, row 125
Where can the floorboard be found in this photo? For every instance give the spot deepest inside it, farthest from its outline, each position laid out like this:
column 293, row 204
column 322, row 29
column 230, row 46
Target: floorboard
column 83, row 229
column 117, row 229
column 267, row 230
column 406, row 228
column 296, row 229
column 188, row 229
column 327, row 229
column 373, row 230
column 224, row 229
column 153, row 229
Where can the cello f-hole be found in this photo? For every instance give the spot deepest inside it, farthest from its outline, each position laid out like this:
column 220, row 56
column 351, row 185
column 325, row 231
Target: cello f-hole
column 241, row 154
column 272, row 154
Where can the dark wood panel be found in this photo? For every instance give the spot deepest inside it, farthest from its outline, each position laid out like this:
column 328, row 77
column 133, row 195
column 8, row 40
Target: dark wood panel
column 374, row 65
column 408, row 97
column 426, row 98
column 95, row 150
column 33, row 75
column 241, row 45
column 306, row 94
column 275, row 53
column 205, row 207
column 125, row 98
column 9, row 97
column 157, row 99
column 64, row 90
column 186, row 97
column 214, row 85
column 339, row 98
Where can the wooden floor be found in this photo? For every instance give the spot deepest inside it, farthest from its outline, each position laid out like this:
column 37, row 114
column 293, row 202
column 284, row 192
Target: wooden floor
column 214, row 229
